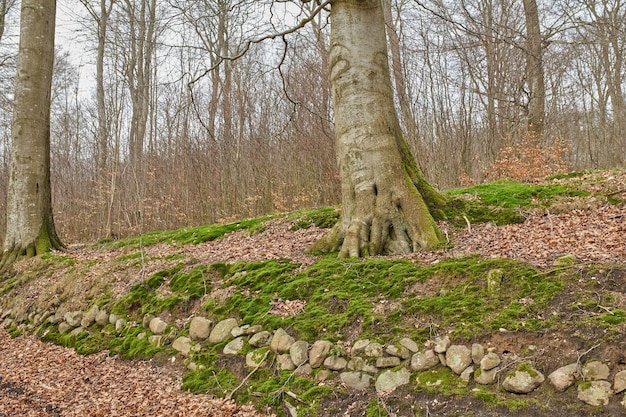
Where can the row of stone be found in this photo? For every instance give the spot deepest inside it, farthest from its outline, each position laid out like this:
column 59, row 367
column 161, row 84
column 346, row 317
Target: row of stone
column 358, row 366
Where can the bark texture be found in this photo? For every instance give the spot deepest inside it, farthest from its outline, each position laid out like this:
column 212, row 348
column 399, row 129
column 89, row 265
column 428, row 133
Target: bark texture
column 30, row 225
column 534, row 68
column 384, row 211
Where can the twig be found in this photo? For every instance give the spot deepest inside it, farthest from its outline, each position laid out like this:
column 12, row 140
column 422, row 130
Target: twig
column 623, row 190
column 230, row 395
column 469, row 226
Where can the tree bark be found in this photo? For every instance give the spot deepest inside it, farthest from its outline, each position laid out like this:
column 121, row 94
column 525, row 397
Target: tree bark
column 383, row 192
column 534, row 69
column 30, row 224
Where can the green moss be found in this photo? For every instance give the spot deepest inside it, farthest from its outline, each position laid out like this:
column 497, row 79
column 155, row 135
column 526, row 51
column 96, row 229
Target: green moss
column 614, row 316
column 440, row 380
column 217, row 382
column 194, row 284
column 324, row 218
column 129, row 346
column 375, row 409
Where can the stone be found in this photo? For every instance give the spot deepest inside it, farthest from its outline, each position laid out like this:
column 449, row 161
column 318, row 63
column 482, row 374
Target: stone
column 102, row 318
column 221, row 331
column 390, row 380
column 319, row 352
column 424, row 361
column 595, row 393
column 146, row 320
column 564, row 377
column 89, row 317
column 304, row 370
column 119, row 324
column 73, row 318
column 200, row 328
column 64, row 327
column 489, row 361
column 239, row 331
column 281, row 341
column 398, row 351
column 257, row 358
column 113, row 318
column 494, row 280
column 619, row 383
column 486, row 377
column 359, row 364
column 595, row 370
column 77, row 331
column 155, row 340
column 523, row 381
column 335, row 363
column 458, row 358
column 409, row 344
column 374, row 350
column 157, row 326
column 359, row 347
column 466, row 375
column 260, row 339
column 254, row 329
column 442, row 344
column 442, row 359
column 322, row 375
column 356, row 380
column 478, row 352
column 299, row 352
column 235, row 346
column 184, row 345
column 56, row 318
column 387, row 362
column 284, row 362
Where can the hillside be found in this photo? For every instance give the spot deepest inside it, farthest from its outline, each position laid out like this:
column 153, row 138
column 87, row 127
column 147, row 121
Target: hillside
column 533, row 273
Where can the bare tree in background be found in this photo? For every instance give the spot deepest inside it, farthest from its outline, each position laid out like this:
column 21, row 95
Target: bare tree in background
column 534, row 68
column 30, row 224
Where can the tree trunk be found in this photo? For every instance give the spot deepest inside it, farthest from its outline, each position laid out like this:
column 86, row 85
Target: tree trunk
column 534, row 69
column 383, row 191
column 30, row 225
column 3, row 13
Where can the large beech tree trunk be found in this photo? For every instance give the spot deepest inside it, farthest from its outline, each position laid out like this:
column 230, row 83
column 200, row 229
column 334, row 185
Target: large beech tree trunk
column 30, row 226
column 384, row 194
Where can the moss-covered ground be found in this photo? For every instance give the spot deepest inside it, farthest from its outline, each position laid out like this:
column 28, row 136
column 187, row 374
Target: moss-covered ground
column 473, row 299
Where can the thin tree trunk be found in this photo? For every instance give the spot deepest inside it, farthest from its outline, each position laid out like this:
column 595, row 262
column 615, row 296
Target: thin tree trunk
column 383, row 211
column 534, row 69
column 3, row 13
column 30, row 224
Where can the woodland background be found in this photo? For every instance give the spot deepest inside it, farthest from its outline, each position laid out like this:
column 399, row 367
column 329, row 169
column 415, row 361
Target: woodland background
column 173, row 135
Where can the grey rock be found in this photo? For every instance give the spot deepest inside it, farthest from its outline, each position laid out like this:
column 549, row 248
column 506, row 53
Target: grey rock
column 356, row 380
column 73, row 318
column 55, row 318
column 374, row 350
column 64, row 327
column 102, row 318
column 299, row 352
column 157, row 326
column 235, row 346
column 489, row 361
column 466, row 375
column 478, row 352
column 284, row 363
column 184, row 345
column 424, row 361
column 359, row 347
column 119, row 324
column 442, row 344
column 335, row 363
column 304, row 370
column 77, row 331
column 322, row 375
column 387, row 362
column 564, row 377
column 89, row 317
column 458, row 358
column 113, row 318
column 146, row 320
column 494, row 280
column 409, row 344
column 260, row 339
column 200, row 328
column 281, row 341
column 359, row 364
column 398, row 351
column 523, row 381
column 256, row 358
column 486, row 377
column 619, row 383
column 319, row 352
column 239, row 330
column 595, row 393
column 595, row 370
column 390, row 380
column 254, row 329
column 155, row 340
column 442, row 359
column 221, row 331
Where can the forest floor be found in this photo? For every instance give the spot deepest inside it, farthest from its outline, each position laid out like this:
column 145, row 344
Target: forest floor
column 42, row 379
